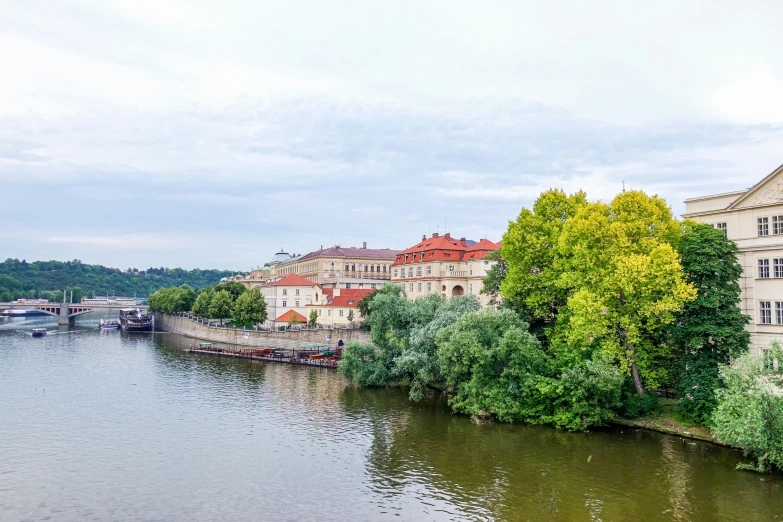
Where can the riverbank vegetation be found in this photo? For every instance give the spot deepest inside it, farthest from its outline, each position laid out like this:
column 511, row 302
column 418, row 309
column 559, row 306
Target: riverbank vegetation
column 598, row 307
column 222, row 301
column 47, row 279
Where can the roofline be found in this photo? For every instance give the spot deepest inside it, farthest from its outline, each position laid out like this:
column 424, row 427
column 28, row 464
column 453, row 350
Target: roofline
column 752, row 189
column 716, row 196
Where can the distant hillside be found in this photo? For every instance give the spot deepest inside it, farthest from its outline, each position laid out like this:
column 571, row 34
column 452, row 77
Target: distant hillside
column 46, row 279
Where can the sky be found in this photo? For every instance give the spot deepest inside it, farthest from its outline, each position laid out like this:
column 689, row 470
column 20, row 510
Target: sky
column 138, row 133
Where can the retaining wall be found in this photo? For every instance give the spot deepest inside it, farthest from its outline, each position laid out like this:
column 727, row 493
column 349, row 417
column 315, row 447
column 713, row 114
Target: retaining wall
column 188, row 327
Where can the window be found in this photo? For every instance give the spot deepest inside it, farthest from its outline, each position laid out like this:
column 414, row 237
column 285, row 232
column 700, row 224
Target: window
column 778, row 267
column 319, row 313
column 471, row 269
column 410, row 272
column 418, row 270
column 406, row 258
column 429, row 287
column 778, row 312
column 470, row 289
column 360, row 268
column 331, row 267
column 410, row 287
column 297, row 291
column 346, row 268
column 296, row 303
column 285, row 291
column 284, row 303
column 765, row 312
column 341, row 313
column 777, row 224
column 353, row 268
column 347, row 285
column 722, row 228
column 372, row 268
column 384, row 269
column 763, row 226
column 377, row 268
column 365, row 268
column 395, row 272
column 763, row 268
column 372, row 285
column 418, row 287
column 361, row 285
column 429, row 270
column 329, row 313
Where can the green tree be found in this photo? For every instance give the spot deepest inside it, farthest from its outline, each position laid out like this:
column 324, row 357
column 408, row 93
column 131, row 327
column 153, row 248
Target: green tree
column 232, row 287
column 624, row 281
column 221, row 305
column 495, row 277
column 749, row 414
column 530, row 249
column 294, row 321
column 250, row 308
column 313, row 319
column 202, row 303
column 350, row 316
column 710, row 330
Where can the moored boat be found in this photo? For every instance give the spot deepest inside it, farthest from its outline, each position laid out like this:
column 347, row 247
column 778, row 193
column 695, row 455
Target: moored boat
column 109, row 324
column 135, row 320
column 39, row 332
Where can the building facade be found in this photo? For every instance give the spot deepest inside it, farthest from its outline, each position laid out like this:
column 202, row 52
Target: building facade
column 444, row 265
column 287, row 298
column 339, row 307
column 753, row 219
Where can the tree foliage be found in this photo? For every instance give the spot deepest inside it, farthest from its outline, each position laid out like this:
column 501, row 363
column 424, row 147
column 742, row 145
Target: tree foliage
column 749, row 414
column 250, row 308
column 39, row 279
column 624, row 281
column 202, row 303
column 312, row 321
column 173, row 299
column 710, row 330
column 221, row 305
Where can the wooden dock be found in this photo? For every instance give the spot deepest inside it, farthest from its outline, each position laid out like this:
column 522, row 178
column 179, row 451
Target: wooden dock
column 261, row 354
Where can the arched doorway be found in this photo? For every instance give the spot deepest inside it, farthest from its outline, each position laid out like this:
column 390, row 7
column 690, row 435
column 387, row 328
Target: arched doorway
column 457, row 290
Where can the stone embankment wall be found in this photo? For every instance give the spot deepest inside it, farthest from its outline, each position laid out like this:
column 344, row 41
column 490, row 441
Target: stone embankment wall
column 188, row 327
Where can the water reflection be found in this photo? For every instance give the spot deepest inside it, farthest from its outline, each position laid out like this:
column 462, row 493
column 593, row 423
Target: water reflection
column 114, row 426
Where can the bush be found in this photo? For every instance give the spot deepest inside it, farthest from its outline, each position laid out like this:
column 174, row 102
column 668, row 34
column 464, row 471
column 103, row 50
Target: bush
column 633, row 406
column 749, row 414
column 587, row 395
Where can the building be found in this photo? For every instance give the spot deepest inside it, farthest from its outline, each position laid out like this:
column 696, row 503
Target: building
column 753, row 219
column 335, row 267
column 288, row 298
column 339, row 307
column 444, row 265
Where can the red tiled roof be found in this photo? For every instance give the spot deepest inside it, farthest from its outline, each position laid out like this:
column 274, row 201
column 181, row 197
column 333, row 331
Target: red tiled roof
column 286, row 317
column 327, row 291
column 445, row 248
column 365, row 253
column 294, row 280
column 346, row 296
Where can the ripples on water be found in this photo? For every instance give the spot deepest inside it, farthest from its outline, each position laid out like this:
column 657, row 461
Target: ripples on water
column 107, row 426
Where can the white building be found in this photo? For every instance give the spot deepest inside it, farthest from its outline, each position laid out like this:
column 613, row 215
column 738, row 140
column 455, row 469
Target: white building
column 287, row 298
column 753, row 219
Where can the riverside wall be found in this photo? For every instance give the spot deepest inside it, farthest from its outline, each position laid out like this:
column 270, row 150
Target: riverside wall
column 190, row 328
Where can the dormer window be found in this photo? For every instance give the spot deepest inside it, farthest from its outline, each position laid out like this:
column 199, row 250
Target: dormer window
column 350, row 301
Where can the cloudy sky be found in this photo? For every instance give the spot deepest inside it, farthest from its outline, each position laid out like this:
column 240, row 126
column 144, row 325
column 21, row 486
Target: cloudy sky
column 209, row 134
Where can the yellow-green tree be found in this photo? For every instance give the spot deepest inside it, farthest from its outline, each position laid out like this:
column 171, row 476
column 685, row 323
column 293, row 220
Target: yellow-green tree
column 619, row 265
column 530, row 249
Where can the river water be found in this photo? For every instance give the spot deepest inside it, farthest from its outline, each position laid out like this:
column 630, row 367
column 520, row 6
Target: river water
column 107, row 426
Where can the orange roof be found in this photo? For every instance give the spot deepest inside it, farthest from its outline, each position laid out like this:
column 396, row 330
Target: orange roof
column 327, row 291
column 294, row 280
column 484, row 244
column 348, row 298
column 436, row 243
column 289, row 315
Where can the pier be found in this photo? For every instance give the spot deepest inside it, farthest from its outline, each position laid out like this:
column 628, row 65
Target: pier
column 300, row 357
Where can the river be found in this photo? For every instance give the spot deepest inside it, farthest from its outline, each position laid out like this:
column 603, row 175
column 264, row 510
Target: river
column 112, row 426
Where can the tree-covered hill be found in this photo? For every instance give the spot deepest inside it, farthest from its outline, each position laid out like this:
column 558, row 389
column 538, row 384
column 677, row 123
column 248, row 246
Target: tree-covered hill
column 47, row 279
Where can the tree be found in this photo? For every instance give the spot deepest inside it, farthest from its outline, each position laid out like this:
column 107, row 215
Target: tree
column 387, row 289
column 625, row 283
column 749, row 414
column 294, row 320
column 530, row 249
column 172, row 299
column 495, row 277
column 202, row 303
column 221, row 305
column 250, row 308
column 710, row 330
column 313, row 319
column 234, row 288
column 350, row 316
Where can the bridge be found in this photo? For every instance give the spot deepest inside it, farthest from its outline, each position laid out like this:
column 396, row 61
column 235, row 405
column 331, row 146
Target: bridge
column 67, row 312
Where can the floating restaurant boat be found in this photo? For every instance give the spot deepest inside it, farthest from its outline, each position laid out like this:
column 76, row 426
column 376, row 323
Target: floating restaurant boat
column 135, row 320
column 109, row 324
column 39, row 332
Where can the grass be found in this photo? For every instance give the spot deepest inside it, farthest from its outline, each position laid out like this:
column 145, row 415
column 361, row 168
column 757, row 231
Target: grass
column 669, row 420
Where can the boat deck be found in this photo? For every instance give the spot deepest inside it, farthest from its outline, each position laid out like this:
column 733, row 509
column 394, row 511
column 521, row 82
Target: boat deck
column 258, row 355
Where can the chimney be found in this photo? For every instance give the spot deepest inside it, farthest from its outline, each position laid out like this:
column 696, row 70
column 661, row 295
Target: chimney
column 448, row 235
column 463, row 241
column 364, row 244
column 423, row 237
column 434, row 235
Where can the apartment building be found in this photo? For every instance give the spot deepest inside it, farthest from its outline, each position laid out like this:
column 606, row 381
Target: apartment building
column 753, row 219
column 287, row 298
column 339, row 307
column 444, row 265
